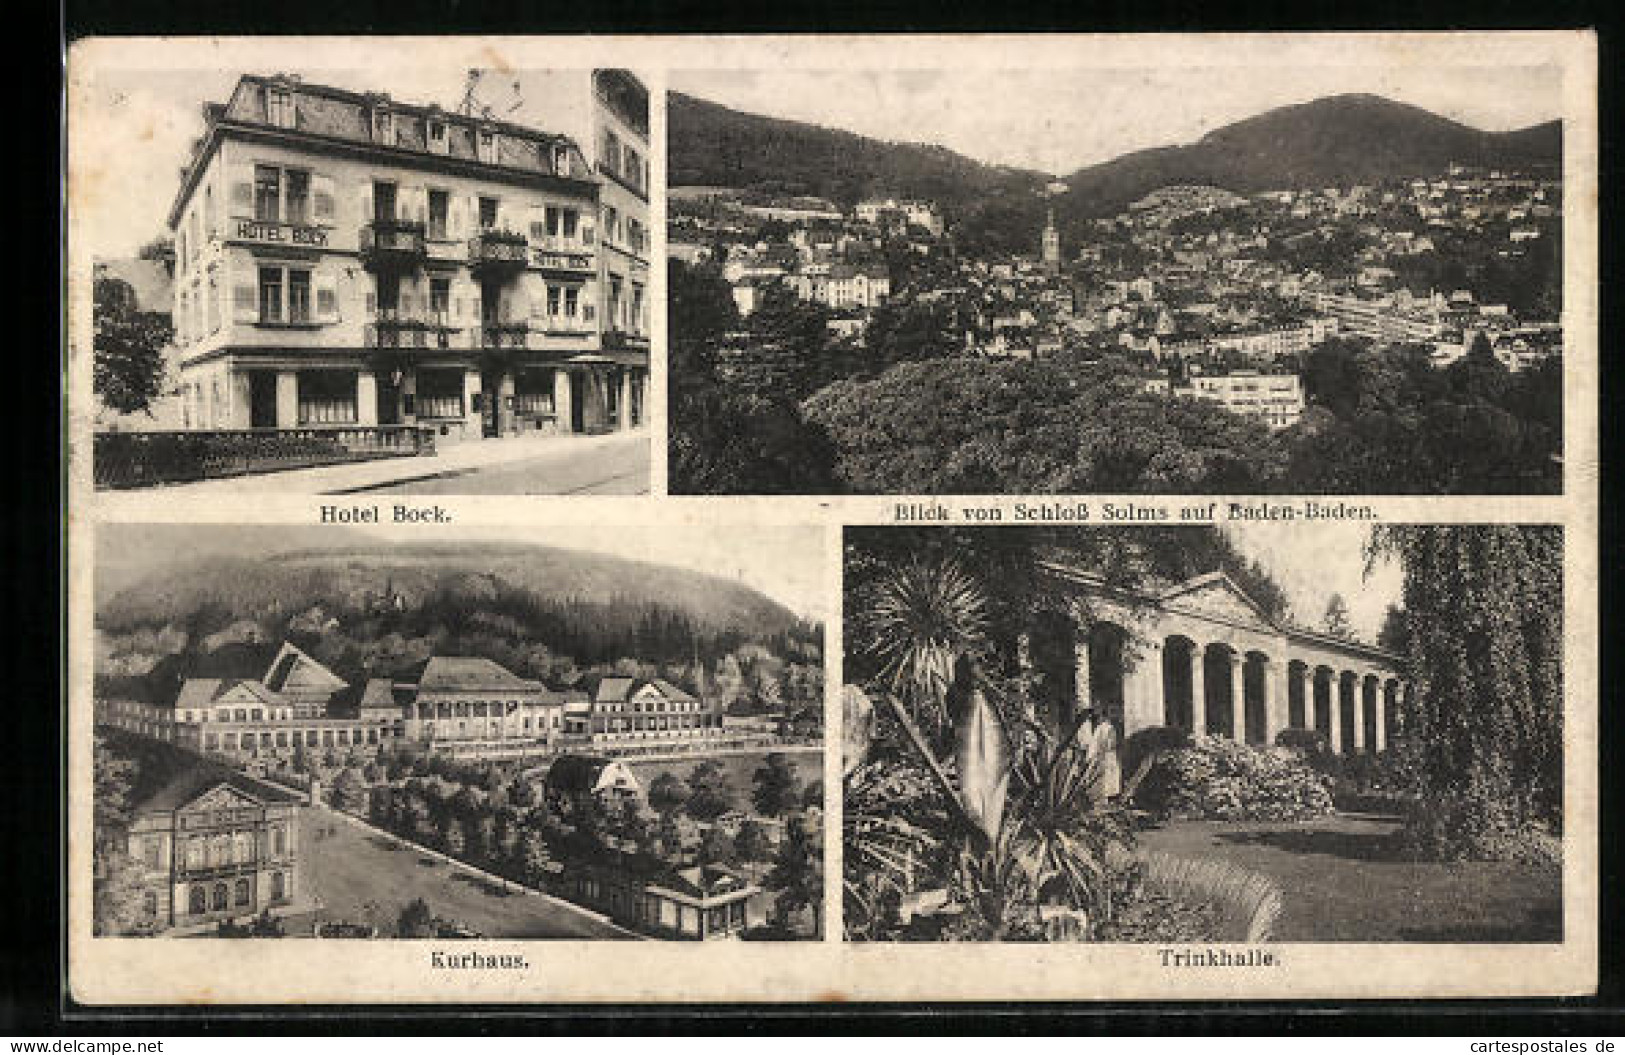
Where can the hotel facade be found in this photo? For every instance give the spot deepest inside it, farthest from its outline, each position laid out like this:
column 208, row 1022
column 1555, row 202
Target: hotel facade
column 346, row 260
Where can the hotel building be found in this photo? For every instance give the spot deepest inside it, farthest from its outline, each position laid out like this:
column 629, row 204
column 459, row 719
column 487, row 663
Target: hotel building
column 343, row 259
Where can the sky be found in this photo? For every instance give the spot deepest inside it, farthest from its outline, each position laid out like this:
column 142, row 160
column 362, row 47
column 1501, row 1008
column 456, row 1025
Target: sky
column 152, row 117
column 785, row 563
column 1314, row 560
column 1060, row 120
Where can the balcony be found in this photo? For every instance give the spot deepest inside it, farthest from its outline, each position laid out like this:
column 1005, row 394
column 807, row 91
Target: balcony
column 392, row 329
column 497, row 254
column 393, row 245
column 507, row 335
column 564, row 255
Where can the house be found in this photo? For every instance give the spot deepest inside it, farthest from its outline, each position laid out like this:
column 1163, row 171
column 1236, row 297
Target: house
column 212, row 845
column 345, row 259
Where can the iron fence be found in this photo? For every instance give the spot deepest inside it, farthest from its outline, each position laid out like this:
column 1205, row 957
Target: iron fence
column 146, row 459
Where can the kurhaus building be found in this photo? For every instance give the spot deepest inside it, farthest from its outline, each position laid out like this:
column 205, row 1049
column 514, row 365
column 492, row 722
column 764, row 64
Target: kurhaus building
column 346, row 259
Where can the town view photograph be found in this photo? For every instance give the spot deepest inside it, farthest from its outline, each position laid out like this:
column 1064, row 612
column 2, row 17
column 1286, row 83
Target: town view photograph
column 1303, row 280
column 326, row 281
column 605, row 733
column 1194, row 735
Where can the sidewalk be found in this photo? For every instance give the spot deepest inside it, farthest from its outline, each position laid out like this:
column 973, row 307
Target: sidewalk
column 458, row 458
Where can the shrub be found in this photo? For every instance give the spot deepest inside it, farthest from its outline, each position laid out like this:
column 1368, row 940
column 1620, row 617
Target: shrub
column 1308, row 742
column 1159, row 739
column 1464, row 827
column 1221, row 779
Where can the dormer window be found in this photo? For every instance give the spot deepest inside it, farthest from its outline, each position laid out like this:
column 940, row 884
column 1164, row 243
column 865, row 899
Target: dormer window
column 439, row 143
column 561, row 161
column 487, row 146
column 279, row 107
column 383, row 127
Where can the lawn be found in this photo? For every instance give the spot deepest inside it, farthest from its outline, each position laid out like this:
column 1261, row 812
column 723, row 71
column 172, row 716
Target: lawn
column 740, row 768
column 1341, row 881
column 362, row 876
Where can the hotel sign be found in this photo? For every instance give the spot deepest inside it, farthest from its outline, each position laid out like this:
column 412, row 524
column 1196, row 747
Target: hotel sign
column 552, row 260
column 281, row 233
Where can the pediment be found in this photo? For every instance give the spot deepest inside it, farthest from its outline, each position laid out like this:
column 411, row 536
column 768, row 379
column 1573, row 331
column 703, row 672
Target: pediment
column 1216, row 596
column 223, row 797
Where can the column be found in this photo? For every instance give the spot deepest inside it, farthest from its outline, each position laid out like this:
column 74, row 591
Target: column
column 1198, row 689
column 366, row 397
column 1149, row 710
column 1382, row 716
column 561, row 399
column 471, row 415
column 1334, row 686
column 1270, row 699
column 507, row 420
column 1358, row 744
column 287, row 399
column 1306, row 694
column 1238, row 698
column 240, row 415
column 1080, row 669
column 626, row 399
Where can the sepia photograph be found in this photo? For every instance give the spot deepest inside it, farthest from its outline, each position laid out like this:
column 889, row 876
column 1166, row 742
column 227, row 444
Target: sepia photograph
column 1195, row 735
column 581, row 734
column 331, row 281
column 1169, row 279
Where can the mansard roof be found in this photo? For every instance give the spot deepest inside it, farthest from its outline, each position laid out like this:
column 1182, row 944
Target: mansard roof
column 472, row 674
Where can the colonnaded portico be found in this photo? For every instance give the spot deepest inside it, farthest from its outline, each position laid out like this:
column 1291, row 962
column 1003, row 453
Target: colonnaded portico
column 1203, row 656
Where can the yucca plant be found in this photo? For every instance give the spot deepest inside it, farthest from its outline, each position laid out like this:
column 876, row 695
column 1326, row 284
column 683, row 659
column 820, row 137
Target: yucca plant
column 923, row 620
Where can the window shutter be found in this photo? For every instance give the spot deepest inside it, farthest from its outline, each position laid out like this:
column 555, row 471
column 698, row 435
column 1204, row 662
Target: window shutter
column 245, row 303
column 324, row 205
column 456, row 211
column 327, row 298
column 417, row 204
column 537, row 294
column 366, row 201
column 240, row 174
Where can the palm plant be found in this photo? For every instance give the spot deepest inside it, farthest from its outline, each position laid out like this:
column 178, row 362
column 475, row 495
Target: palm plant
column 1047, row 846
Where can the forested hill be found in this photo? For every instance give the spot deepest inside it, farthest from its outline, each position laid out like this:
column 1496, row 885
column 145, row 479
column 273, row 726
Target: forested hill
column 471, row 576
column 1335, row 141
column 714, row 145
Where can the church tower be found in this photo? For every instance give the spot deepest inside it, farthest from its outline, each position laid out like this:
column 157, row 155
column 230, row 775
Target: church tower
column 1052, row 245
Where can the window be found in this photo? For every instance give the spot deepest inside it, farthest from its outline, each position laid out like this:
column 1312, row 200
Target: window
column 612, row 224
column 632, row 167
column 240, row 714
column 279, row 842
column 149, row 852
column 437, row 137
column 197, row 901
column 149, row 903
column 257, row 714
column 383, row 127
column 279, row 107
column 298, row 310
column 298, row 196
column 487, row 146
column 440, row 298
column 439, row 205
column 383, row 201
column 279, row 886
column 218, row 901
column 553, row 293
column 572, row 296
column 267, row 193
column 241, row 892
column 389, row 293
column 561, row 160
column 488, row 213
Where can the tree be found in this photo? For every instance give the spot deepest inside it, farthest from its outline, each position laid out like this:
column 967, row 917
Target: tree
column 753, row 843
column 716, row 846
column 161, row 249
column 798, row 876
column 349, row 790
column 775, row 786
column 1336, row 620
column 710, row 793
column 452, row 838
column 128, row 369
column 1483, row 728
column 416, row 920
column 537, row 861
column 668, row 792
column 118, row 893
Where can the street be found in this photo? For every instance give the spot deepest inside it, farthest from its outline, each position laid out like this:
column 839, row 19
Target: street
column 619, row 468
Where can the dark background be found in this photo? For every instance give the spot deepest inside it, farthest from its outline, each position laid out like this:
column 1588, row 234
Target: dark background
column 33, row 996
